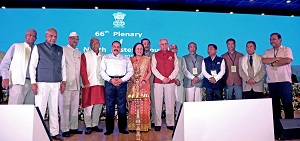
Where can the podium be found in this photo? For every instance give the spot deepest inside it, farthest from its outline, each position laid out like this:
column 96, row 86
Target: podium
column 22, row 123
column 227, row 120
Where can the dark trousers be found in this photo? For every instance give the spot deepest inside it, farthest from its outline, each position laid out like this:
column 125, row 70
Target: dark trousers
column 213, row 94
column 281, row 91
column 115, row 95
column 252, row 94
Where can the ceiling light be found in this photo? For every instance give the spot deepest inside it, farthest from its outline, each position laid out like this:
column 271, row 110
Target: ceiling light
column 288, row 1
column 96, row 7
column 231, row 13
column 3, row 7
column 197, row 10
column 147, row 8
column 43, row 7
column 262, row 13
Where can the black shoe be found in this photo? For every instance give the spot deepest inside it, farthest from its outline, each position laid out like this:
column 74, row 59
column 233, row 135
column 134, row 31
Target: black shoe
column 170, row 127
column 97, row 129
column 124, row 131
column 152, row 124
column 75, row 131
column 66, row 134
column 131, row 130
column 157, row 128
column 57, row 137
column 88, row 130
column 108, row 132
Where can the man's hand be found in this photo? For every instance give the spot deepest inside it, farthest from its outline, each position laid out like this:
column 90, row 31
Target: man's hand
column 251, row 81
column 166, row 80
column 177, row 82
column 212, row 80
column 87, row 86
column 119, row 81
column 5, row 83
column 34, row 88
column 62, row 87
column 195, row 80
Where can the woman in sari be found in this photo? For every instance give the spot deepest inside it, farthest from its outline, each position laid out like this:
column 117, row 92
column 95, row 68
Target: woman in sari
column 139, row 84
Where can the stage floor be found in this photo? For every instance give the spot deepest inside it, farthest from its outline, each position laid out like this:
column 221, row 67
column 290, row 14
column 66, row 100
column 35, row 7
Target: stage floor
column 163, row 135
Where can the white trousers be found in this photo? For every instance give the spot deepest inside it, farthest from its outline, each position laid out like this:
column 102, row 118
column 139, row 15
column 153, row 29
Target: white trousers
column 48, row 94
column 193, row 94
column 21, row 94
column 92, row 115
column 167, row 92
column 68, row 109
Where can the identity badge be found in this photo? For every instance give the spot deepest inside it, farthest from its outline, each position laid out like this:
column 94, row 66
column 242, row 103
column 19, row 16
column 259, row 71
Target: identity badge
column 213, row 73
column 195, row 71
column 233, row 68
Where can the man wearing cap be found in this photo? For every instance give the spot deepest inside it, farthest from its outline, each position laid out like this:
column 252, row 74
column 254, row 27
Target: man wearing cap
column 15, row 73
column 69, row 100
column 48, row 78
column 116, row 70
column 93, row 86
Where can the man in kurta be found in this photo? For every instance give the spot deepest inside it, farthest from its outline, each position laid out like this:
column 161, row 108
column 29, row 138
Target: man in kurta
column 193, row 77
column 232, row 77
column 179, row 93
column 15, row 72
column 69, row 101
column 147, row 45
column 253, row 72
column 93, row 86
column 116, row 70
column 165, row 69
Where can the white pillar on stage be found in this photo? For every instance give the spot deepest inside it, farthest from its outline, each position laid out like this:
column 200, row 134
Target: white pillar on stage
column 21, row 123
column 227, row 120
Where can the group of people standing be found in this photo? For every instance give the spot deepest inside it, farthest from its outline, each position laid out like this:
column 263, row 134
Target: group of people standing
column 47, row 74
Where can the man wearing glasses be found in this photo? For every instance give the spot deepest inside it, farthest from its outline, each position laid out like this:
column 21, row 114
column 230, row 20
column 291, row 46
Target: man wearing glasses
column 15, row 72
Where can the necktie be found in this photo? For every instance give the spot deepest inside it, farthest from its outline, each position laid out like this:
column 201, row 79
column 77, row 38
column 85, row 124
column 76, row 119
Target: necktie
column 251, row 60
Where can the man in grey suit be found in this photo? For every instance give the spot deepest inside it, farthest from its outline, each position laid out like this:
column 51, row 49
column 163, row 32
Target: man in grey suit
column 192, row 70
column 253, row 72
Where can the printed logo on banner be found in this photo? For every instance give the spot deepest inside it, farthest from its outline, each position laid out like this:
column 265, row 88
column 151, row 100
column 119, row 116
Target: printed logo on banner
column 119, row 20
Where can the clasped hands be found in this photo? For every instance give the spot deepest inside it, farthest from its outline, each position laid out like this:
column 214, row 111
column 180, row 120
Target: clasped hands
column 116, row 81
column 212, row 80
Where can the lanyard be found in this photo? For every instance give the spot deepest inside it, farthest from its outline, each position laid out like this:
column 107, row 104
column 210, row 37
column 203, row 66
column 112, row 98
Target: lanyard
column 194, row 60
column 275, row 54
column 231, row 58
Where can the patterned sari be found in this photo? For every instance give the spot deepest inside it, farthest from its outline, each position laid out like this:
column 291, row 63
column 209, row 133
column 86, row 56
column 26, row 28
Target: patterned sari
column 144, row 68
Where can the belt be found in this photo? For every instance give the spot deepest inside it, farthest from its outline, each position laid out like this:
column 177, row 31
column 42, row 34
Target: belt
column 27, row 78
column 116, row 76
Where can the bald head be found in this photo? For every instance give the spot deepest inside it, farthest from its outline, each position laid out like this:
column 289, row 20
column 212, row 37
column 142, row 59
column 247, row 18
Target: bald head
column 30, row 36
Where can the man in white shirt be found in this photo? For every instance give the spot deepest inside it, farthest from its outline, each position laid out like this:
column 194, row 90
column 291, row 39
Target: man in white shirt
column 165, row 69
column 48, row 78
column 213, row 69
column 116, row 70
column 193, row 77
column 69, row 101
column 15, row 73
